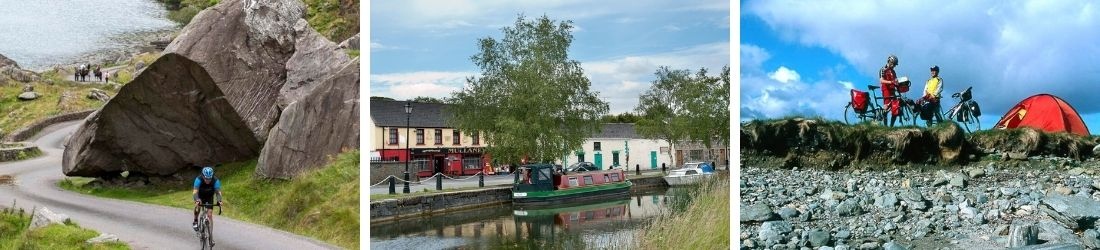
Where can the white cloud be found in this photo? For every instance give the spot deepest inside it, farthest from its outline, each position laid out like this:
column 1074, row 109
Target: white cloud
column 671, row 27
column 412, row 84
column 1005, row 50
column 621, row 80
column 784, row 75
column 782, row 92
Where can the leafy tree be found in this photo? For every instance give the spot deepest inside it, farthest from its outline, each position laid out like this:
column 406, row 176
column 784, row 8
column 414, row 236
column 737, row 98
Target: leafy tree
column 428, row 99
column 531, row 99
column 681, row 105
column 626, row 117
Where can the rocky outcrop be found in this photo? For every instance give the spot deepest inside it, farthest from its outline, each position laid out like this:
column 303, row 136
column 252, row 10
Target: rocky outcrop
column 170, row 117
column 323, row 123
column 9, row 69
column 350, row 43
column 44, row 217
column 315, row 58
column 244, row 45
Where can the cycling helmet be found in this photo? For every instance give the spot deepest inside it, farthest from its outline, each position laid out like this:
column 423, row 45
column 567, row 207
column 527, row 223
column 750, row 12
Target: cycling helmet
column 892, row 59
column 208, row 172
column 935, row 68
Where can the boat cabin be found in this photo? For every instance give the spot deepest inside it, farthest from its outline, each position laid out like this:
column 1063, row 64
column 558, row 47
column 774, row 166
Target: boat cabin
column 549, row 177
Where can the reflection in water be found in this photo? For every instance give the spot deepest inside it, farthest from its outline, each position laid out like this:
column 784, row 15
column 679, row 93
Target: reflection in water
column 601, row 225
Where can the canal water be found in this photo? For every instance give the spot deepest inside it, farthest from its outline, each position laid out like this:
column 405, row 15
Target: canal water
column 609, row 224
column 37, row 34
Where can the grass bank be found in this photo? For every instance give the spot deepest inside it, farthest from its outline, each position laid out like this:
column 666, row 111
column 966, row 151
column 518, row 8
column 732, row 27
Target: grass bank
column 15, row 235
column 56, row 96
column 701, row 223
column 322, row 204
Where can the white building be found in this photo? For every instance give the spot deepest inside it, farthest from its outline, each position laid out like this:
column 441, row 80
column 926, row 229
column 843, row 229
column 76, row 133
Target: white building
column 618, row 144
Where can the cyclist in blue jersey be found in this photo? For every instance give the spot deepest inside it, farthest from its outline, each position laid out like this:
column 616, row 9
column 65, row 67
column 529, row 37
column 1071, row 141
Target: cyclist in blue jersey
column 206, row 188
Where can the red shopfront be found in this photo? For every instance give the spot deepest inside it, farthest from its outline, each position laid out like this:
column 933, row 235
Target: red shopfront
column 451, row 161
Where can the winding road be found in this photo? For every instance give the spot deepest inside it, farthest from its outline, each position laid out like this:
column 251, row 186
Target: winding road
column 142, row 226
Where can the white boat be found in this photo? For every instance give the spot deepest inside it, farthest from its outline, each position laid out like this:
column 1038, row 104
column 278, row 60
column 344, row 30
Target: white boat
column 691, row 173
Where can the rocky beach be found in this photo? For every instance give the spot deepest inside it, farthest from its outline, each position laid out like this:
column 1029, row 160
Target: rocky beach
column 807, row 184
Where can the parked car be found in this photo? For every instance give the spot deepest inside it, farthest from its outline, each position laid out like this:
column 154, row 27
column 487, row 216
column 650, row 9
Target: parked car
column 582, row 166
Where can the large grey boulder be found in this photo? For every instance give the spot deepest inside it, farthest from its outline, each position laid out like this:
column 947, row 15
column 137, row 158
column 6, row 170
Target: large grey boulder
column 171, row 117
column 315, row 59
column 1075, row 212
column 9, row 69
column 244, row 46
column 351, row 43
column 323, row 123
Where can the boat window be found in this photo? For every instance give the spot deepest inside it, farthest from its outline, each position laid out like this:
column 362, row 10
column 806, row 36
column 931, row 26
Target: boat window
column 573, row 181
column 587, row 180
column 690, row 172
column 615, row 177
column 606, row 178
column 589, row 215
column 574, row 216
column 545, row 173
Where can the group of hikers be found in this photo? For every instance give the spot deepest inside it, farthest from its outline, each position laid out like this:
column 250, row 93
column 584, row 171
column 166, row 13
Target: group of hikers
column 929, row 101
column 81, row 73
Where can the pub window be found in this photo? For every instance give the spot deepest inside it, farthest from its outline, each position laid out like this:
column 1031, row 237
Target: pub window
column 587, row 180
column 420, row 163
column 456, row 136
column 471, row 162
column 393, row 136
column 596, row 146
column 476, row 137
column 438, row 136
column 419, row 136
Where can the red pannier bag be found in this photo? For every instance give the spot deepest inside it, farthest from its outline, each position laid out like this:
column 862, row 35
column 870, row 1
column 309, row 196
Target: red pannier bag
column 860, row 100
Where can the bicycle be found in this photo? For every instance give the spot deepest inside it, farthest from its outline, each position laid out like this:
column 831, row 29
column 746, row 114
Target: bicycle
column 862, row 109
column 204, row 225
column 966, row 111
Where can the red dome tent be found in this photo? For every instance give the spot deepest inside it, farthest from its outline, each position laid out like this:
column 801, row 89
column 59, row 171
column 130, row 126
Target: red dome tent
column 1046, row 112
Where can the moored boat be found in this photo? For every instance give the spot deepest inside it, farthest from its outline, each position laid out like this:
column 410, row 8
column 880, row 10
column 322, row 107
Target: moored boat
column 546, row 184
column 691, row 173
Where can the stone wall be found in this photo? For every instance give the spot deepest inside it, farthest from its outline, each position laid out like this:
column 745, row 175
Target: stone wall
column 12, row 152
column 379, row 170
column 29, row 131
column 393, row 209
column 649, row 182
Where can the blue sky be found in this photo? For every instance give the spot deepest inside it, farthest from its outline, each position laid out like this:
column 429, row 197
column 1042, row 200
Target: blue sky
column 423, row 48
column 802, row 57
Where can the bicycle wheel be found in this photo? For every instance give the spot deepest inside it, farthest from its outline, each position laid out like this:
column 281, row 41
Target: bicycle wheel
column 977, row 123
column 850, row 114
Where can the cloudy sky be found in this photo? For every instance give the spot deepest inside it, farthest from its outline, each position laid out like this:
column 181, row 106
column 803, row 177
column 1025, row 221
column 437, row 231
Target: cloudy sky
column 423, row 48
column 802, row 57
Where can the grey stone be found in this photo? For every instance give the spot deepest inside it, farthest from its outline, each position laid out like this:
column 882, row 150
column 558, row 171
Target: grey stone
column 848, row 208
column 42, row 217
column 133, row 130
column 759, row 212
column 28, row 96
column 1051, row 231
column 100, row 95
column 968, row 212
column 1075, row 171
column 1074, row 212
column 843, row 234
column 958, row 180
column 774, row 232
column 788, row 213
column 976, row 172
column 893, row 246
column 351, row 43
column 842, row 247
column 818, row 238
column 748, row 243
column 869, row 246
column 102, row 238
column 1052, row 246
column 887, row 201
column 832, row 195
column 1022, row 234
column 1091, row 239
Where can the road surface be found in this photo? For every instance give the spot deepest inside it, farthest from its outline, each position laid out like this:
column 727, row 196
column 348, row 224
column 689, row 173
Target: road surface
column 142, row 226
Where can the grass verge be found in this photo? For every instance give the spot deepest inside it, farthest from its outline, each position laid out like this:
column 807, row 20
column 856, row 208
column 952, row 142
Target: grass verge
column 322, row 204
column 54, row 99
column 14, row 234
column 702, row 224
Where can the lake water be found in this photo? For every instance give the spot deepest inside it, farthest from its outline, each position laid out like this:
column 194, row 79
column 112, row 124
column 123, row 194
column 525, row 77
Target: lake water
column 40, row 33
column 609, row 224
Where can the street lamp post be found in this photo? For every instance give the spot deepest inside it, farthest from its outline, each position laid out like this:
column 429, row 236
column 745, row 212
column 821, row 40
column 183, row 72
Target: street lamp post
column 408, row 151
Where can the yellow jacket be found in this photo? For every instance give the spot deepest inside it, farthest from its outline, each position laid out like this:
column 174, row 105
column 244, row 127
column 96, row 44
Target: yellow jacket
column 933, row 87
